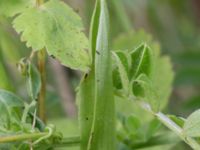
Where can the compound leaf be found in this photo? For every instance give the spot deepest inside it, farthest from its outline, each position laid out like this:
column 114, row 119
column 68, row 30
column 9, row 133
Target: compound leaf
column 150, row 74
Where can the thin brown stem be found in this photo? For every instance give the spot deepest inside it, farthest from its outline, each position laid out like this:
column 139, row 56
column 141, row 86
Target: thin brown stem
column 42, row 94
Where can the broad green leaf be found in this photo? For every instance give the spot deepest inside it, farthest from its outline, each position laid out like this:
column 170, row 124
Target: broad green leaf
column 56, row 27
column 192, row 125
column 103, row 128
column 33, row 81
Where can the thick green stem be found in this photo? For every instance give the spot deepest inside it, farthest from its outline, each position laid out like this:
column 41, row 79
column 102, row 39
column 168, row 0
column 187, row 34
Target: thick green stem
column 22, row 137
column 42, row 94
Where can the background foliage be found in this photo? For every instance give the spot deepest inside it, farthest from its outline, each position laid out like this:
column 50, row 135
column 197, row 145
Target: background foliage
column 171, row 25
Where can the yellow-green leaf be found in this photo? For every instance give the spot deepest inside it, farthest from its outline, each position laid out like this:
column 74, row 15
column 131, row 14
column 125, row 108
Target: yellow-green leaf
column 56, row 27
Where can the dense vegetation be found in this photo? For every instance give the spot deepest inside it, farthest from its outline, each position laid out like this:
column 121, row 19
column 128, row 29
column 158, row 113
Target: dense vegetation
column 121, row 79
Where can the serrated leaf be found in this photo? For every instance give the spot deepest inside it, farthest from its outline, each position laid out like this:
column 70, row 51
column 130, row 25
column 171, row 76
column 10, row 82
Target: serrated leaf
column 56, row 27
column 33, row 81
column 192, row 125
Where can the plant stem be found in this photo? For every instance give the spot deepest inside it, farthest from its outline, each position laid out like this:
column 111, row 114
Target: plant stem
column 26, row 110
column 22, row 137
column 70, row 141
column 41, row 66
column 176, row 129
column 164, row 119
column 42, row 94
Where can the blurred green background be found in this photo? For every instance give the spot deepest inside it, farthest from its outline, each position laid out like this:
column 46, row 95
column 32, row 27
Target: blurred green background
column 172, row 23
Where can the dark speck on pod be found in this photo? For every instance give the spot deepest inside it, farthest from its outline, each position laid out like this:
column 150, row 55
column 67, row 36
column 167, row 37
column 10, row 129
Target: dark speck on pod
column 86, row 75
column 98, row 52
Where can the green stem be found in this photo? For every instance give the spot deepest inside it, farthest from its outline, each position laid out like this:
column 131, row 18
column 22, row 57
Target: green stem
column 26, row 110
column 42, row 94
column 172, row 126
column 70, row 141
column 22, row 137
column 176, row 129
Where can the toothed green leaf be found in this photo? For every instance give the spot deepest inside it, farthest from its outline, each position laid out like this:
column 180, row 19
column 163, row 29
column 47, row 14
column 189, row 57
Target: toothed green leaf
column 56, row 27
